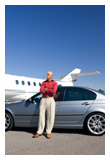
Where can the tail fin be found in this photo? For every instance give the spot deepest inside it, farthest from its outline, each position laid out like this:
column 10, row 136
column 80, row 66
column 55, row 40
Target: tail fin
column 72, row 76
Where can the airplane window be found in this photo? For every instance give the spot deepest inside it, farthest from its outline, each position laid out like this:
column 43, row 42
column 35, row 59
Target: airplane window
column 34, row 83
column 17, row 82
column 29, row 83
column 39, row 84
column 23, row 83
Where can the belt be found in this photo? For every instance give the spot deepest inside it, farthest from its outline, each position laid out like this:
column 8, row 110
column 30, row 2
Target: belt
column 47, row 97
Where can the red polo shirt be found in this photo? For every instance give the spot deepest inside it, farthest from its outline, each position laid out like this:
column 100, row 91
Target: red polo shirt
column 51, row 88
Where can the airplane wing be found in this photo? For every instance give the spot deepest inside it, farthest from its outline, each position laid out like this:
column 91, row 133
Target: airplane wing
column 72, row 77
column 85, row 74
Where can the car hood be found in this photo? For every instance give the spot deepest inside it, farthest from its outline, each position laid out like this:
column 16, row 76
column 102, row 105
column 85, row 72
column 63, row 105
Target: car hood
column 14, row 103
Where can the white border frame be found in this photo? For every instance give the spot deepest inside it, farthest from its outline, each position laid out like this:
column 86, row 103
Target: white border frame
column 2, row 71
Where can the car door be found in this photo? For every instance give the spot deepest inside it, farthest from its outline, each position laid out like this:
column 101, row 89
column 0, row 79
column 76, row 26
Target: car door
column 29, row 111
column 73, row 106
column 58, row 98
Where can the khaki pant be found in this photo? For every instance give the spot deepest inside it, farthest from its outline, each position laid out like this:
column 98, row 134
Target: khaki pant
column 47, row 105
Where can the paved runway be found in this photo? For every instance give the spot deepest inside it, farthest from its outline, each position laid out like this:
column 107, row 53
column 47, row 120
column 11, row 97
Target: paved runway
column 19, row 141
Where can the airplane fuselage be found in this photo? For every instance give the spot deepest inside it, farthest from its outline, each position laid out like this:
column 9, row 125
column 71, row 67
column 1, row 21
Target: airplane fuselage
column 20, row 87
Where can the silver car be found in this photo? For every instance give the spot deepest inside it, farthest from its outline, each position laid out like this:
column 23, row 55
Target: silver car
column 76, row 108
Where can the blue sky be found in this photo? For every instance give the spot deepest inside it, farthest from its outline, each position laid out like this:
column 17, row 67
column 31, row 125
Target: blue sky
column 56, row 38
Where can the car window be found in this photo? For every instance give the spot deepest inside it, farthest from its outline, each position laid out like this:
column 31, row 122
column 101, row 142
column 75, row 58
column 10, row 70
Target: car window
column 37, row 98
column 89, row 95
column 74, row 94
column 59, row 94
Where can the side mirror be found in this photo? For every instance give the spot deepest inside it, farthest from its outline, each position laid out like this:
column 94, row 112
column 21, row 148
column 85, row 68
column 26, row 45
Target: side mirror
column 34, row 102
column 30, row 100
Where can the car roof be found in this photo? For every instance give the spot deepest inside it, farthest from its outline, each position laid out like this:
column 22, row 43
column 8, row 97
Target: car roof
column 75, row 87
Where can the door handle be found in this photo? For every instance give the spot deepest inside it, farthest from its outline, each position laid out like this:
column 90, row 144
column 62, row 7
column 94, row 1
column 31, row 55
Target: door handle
column 85, row 103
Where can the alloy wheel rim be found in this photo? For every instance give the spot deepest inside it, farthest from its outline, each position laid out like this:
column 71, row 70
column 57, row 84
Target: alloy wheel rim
column 7, row 121
column 96, row 124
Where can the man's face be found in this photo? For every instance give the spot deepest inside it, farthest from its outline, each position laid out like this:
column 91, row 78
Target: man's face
column 49, row 75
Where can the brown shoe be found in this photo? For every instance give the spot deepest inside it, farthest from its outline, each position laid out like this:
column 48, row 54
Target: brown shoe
column 48, row 136
column 36, row 135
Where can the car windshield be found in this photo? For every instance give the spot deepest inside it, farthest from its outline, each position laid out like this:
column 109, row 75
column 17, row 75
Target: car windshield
column 37, row 96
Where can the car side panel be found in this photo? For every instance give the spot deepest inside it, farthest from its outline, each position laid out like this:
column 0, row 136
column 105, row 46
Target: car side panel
column 71, row 112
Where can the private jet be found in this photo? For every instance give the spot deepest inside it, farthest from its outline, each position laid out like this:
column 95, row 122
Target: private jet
column 20, row 88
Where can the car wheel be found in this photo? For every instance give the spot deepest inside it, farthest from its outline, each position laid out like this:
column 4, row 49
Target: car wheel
column 95, row 124
column 8, row 121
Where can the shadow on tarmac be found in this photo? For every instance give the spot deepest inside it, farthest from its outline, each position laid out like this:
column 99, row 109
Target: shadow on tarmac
column 60, row 131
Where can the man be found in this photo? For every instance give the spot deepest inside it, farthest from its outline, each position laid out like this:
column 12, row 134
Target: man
column 47, row 104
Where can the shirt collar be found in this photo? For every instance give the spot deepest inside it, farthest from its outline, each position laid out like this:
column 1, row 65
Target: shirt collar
column 50, row 81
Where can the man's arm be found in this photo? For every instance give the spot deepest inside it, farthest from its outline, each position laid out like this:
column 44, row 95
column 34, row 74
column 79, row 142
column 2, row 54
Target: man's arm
column 53, row 91
column 42, row 89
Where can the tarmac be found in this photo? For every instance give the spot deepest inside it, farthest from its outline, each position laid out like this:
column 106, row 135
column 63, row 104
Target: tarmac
column 19, row 141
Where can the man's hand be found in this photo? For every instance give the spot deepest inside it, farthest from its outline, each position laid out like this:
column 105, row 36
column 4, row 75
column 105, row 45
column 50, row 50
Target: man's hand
column 45, row 89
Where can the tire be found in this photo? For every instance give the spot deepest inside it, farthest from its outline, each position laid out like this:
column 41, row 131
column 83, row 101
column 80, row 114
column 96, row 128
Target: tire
column 95, row 124
column 8, row 121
